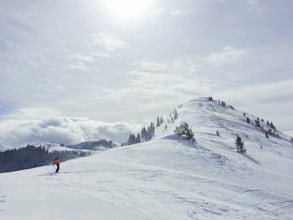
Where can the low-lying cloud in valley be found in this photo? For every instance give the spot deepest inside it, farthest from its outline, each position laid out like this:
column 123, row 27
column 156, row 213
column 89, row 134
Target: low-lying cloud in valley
column 15, row 132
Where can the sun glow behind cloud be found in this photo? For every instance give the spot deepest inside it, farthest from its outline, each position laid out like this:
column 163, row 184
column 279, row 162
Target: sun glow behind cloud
column 128, row 10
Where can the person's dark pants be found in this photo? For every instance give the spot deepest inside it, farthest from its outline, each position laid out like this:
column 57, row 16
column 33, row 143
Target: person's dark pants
column 57, row 168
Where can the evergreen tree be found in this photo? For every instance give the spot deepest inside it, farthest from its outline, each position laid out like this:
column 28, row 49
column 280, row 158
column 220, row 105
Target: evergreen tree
column 143, row 134
column 151, row 130
column 240, row 145
column 137, row 138
column 158, row 121
column 184, row 130
column 248, row 120
column 273, row 126
column 161, row 120
column 257, row 123
column 175, row 114
column 131, row 139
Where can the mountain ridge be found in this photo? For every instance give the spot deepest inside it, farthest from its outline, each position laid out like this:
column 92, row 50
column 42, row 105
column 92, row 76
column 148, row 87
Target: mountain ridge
column 167, row 177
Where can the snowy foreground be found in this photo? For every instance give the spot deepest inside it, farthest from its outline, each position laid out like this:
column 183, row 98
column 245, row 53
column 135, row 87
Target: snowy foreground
column 166, row 178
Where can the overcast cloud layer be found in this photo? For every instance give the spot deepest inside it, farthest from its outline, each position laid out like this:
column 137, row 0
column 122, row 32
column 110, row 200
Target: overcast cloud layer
column 107, row 61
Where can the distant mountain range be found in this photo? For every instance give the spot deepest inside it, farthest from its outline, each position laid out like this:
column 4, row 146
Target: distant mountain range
column 94, row 145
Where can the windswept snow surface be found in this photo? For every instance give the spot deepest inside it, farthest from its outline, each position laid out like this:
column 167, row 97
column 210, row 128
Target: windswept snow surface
column 166, row 178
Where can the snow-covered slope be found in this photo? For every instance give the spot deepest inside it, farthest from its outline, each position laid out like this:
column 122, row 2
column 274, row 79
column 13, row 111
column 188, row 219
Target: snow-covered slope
column 166, row 178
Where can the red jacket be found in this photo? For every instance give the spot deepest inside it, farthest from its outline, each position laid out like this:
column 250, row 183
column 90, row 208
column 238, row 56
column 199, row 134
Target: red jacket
column 56, row 161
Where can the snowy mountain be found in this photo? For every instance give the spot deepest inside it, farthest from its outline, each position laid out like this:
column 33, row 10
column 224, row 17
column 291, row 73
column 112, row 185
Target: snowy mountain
column 87, row 146
column 94, row 145
column 51, row 147
column 167, row 177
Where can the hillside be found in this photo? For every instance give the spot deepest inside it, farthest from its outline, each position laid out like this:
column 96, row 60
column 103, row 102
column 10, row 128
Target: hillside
column 167, row 177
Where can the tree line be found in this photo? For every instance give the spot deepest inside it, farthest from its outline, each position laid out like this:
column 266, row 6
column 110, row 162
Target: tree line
column 32, row 156
column 148, row 132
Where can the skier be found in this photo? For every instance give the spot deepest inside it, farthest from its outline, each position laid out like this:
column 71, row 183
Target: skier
column 56, row 162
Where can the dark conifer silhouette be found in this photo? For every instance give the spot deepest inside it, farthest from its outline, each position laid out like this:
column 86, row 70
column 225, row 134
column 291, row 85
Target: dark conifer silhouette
column 240, row 145
column 184, row 130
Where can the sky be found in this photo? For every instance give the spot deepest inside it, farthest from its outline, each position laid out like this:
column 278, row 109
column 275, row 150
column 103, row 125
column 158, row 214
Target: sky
column 129, row 61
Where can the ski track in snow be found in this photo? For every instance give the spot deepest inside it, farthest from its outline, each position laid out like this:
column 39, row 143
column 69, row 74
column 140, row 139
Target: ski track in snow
column 166, row 178
column 2, row 199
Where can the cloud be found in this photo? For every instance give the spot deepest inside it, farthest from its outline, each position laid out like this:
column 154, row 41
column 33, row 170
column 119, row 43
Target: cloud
column 86, row 59
column 177, row 12
column 106, row 42
column 81, row 66
column 253, row 3
column 157, row 84
column 151, row 66
column 275, row 92
column 25, row 127
column 227, row 55
column 270, row 100
column 100, row 45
